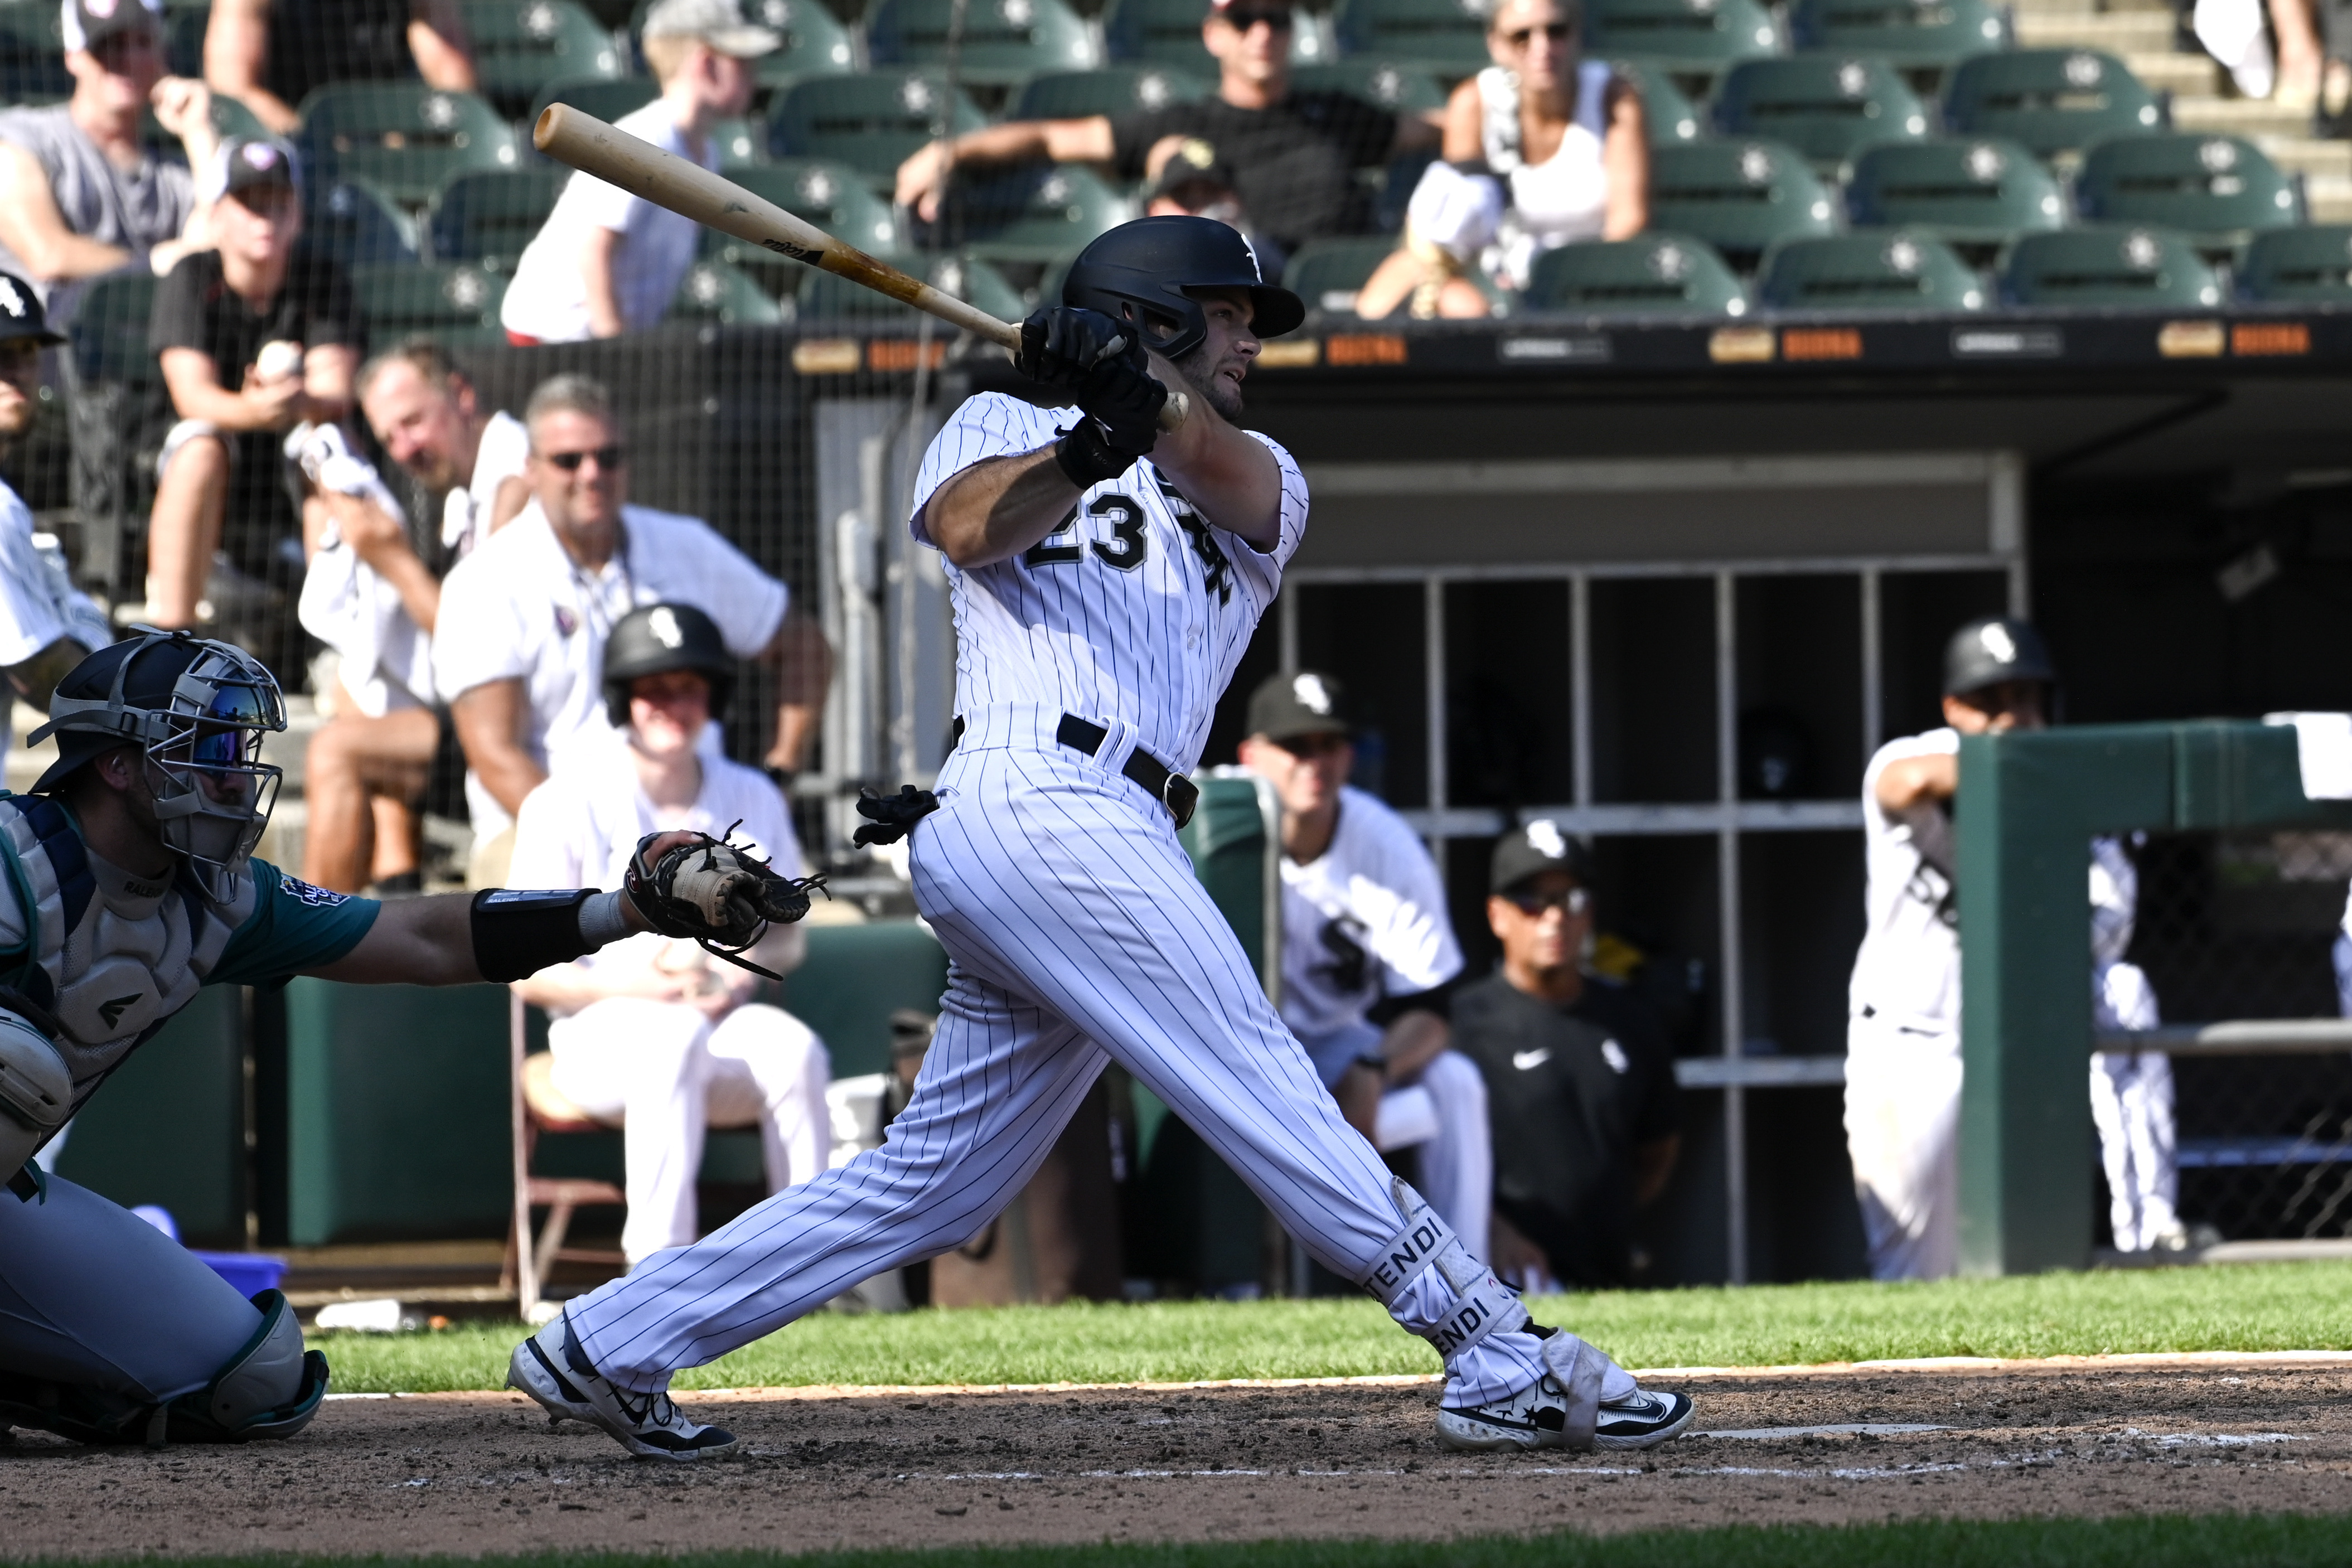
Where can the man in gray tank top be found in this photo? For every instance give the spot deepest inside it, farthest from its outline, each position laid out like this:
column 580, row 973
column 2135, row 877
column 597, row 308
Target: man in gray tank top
column 80, row 195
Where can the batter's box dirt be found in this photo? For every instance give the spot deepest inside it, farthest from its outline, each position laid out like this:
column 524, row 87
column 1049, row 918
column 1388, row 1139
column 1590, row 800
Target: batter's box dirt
column 477, row 1473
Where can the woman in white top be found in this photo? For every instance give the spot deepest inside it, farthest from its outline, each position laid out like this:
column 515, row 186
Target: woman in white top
column 1565, row 133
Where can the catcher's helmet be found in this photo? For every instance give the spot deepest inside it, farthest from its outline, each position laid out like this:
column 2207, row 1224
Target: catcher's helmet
column 1141, row 270
column 656, row 639
column 1992, row 649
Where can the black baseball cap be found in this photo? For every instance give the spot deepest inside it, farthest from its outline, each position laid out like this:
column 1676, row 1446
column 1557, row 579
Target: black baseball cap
column 1286, row 707
column 249, row 162
column 1534, row 847
column 1194, row 162
column 86, row 24
column 21, row 315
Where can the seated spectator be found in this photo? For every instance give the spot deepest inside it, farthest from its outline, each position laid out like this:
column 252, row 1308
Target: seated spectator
column 254, row 340
column 606, row 262
column 80, row 196
column 524, row 618
column 1193, row 183
column 653, row 1032
column 1293, row 154
column 369, row 596
column 269, row 54
column 1579, row 1076
column 1368, row 955
column 1563, row 134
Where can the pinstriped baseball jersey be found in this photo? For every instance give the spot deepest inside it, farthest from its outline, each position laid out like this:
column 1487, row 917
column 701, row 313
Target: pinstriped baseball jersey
column 1134, row 608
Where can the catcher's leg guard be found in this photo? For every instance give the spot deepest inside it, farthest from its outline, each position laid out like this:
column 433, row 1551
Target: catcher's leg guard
column 271, row 1389
column 1480, row 1303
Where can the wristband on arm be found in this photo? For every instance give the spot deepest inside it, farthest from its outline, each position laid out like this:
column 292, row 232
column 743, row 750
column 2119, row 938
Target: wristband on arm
column 520, row 932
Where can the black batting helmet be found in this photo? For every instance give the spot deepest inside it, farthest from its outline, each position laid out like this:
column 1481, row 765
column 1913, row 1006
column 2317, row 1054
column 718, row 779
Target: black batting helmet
column 1141, row 270
column 656, row 639
column 1992, row 649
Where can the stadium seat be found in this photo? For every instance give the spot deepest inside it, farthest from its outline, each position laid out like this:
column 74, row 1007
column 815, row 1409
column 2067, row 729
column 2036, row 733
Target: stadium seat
column 1666, row 110
column 456, row 303
column 1402, row 89
column 1828, row 107
column 606, row 97
column 870, row 122
column 1906, row 34
column 356, row 222
column 1975, row 191
column 2216, row 189
column 727, row 295
column 488, row 219
column 1158, row 32
column 1108, row 90
column 1004, row 40
column 1031, row 214
column 2299, row 266
column 2049, row 101
column 108, row 331
column 742, row 143
column 2144, row 267
column 32, row 54
column 1448, row 36
column 815, row 42
column 1652, row 274
column 1737, row 196
column 521, row 46
column 1902, row 271
column 1686, row 36
column 404, row 136
column 1326, row 273
column 825, row 298
column 829, row 196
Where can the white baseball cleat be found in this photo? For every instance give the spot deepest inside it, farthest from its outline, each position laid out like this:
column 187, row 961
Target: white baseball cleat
column 548, row 1367
column 1536, row 1417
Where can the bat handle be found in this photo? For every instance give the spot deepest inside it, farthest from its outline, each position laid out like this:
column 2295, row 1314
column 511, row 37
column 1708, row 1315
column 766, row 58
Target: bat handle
column 1175, row 410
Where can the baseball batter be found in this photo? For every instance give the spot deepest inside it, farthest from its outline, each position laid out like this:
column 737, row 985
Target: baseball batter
column 1106, row 579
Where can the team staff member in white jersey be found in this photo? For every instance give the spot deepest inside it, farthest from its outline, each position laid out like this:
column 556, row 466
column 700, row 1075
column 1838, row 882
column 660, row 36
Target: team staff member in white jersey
column 1368, row 958
column 1101, row 604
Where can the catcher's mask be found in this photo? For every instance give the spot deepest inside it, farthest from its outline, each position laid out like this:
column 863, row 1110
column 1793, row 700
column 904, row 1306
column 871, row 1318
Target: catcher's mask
column 655, row 639
column 197, row 711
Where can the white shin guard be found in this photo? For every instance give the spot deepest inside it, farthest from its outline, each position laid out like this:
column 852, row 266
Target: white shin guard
column 1479, row 1304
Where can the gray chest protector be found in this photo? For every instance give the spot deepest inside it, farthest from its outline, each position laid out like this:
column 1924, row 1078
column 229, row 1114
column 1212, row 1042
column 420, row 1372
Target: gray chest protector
column 112, row 955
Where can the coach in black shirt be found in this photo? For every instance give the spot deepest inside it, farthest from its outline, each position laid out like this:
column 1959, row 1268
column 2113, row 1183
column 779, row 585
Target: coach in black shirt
column 1579, row 1076
column 1293, row 156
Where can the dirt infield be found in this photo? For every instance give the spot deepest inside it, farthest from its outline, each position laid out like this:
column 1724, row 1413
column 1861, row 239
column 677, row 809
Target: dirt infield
column 482, row 1473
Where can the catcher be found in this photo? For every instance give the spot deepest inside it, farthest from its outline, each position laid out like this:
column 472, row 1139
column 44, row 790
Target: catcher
column 126, row 880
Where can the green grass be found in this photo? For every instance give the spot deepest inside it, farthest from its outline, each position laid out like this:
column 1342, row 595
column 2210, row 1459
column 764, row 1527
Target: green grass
column 2284, row 1541
column 2281, row 1306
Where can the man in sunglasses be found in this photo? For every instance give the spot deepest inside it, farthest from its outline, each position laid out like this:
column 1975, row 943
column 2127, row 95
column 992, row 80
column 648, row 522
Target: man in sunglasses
column 518, row 639
column 1293, row 154
column 1579, row 1076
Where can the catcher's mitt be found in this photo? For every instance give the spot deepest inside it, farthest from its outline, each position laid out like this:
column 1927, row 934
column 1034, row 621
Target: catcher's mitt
column 717, row 894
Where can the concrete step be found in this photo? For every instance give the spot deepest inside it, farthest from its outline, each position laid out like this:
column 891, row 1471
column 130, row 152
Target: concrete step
column 2240, row 117
column 2178, row 73
column 2118, row 33
column 2331, row 197
column 2307, row 157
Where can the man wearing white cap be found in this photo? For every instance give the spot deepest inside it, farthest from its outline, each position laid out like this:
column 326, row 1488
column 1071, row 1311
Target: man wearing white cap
column 607, row 262
column 80, row 194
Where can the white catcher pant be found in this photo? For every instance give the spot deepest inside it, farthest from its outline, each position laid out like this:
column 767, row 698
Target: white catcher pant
column 669, row 1072
column 1078, row 935
column 1902, row 1128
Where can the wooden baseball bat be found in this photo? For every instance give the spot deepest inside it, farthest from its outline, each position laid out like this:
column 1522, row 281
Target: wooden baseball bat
column 588, row 144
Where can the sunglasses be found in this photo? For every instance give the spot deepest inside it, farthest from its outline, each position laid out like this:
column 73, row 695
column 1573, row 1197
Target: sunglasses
column 1557, row 32
column 1574, row 901
column 1241, row 20
column 607, row 458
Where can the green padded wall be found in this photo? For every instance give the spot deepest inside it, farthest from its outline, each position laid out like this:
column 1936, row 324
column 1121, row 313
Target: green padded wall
column 168, row 1127
column 854, row 978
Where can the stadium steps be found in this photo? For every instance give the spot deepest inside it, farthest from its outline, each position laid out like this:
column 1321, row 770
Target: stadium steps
column 2117, row 32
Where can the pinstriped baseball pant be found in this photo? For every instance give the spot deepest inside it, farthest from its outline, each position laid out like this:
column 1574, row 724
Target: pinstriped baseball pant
column 1077, row 934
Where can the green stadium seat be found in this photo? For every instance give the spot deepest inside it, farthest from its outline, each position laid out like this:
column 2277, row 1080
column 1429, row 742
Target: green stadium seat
column 1652, row 274
column 455, row 302
column 2146, row 268
column 1326, row 273
column 815, row 42
column 825, row 298
column 1400, row 89
column 356, row 222
column 1004, row 40
column 727, row 295
column 1108, row 90
column 2217, row 189
column 488, row 219
column 830, row 195
column 1910, row 35
column 870, row 122
column 2299, row 265
column 1847, row 273
column 1738, row 196
column 406, row 137
column 1668, row 112
column 1448, row 36
column 108, row 331
column 1158, row 32
column 742, row 143
column 521, row 46
column 32, row 54
column 606, row 96
column 1687, row 36
column 1031, row 214
column 1828, row 107
column 1972, row 191
column 2049, row 101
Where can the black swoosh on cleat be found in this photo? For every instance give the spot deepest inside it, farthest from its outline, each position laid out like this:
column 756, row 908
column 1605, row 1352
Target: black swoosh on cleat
column 562, row 1383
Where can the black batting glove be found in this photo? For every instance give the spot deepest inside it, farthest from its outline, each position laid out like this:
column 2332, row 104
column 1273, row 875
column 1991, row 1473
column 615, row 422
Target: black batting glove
column 1063, row 345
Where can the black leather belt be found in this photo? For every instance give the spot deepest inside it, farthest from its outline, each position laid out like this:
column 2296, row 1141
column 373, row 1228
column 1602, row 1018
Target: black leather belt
column 1170, row 789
